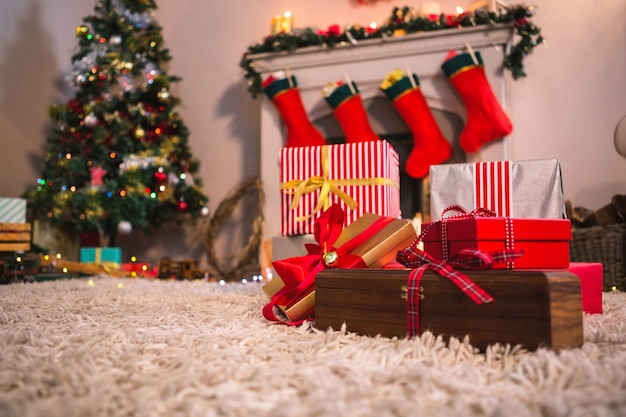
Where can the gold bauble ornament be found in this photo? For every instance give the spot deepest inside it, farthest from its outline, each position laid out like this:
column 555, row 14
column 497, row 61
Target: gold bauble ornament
column 163, row 94
column 81, row 30
column 139, row 133
column 331, row 259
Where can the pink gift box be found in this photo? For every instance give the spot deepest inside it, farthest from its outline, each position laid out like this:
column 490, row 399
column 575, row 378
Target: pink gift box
column 591, row 275
column 315, row 177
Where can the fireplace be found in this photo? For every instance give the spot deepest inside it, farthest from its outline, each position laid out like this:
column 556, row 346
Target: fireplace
column 367, row 63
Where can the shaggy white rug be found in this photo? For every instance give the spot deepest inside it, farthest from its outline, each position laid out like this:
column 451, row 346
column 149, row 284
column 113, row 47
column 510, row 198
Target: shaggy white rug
column 173, row 348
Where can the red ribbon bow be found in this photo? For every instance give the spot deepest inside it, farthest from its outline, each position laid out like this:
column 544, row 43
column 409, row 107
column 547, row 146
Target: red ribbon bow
column 333, row 30
column 298, row 273
column 420, row 261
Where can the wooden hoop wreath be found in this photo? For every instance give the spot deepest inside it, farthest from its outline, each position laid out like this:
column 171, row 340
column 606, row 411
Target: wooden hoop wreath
column 247, row 261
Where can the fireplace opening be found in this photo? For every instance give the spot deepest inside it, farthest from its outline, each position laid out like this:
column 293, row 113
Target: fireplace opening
column 387, row 123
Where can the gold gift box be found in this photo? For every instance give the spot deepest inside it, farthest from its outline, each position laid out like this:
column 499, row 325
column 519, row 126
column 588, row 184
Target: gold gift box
column 376, row 252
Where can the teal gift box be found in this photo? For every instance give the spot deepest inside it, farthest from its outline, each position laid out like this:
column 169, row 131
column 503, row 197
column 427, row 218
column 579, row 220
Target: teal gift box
column 100, row 255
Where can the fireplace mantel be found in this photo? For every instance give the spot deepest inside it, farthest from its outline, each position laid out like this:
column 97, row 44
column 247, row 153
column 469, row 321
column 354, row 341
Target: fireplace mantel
column 384, row 48
column 367, row 63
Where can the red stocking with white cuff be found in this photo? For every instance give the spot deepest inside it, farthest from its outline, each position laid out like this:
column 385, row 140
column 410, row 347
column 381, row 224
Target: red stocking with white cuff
column 486, row 120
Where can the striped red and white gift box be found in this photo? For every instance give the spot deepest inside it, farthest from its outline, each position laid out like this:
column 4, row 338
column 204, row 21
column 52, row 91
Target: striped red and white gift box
column 368, row 172
column 492, row 187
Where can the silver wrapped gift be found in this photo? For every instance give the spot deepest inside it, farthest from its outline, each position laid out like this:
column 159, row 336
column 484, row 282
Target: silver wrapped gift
column 527, row 189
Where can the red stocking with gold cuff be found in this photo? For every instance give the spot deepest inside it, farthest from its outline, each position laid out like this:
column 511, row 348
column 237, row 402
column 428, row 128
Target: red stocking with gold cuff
column 430, row 147
column 486, row 120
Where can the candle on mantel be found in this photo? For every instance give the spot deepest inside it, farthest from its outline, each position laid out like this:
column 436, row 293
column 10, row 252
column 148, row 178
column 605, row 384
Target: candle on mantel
column 287, row 22
column 277, row 22
column 282, row 23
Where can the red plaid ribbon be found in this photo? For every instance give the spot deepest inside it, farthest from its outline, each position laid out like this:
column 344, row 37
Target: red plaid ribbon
column 420, row 261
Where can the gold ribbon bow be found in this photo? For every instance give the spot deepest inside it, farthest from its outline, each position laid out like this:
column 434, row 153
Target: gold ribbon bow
column 327, row 186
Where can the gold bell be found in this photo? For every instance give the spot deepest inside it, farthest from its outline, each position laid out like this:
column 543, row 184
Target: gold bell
column 330, row 259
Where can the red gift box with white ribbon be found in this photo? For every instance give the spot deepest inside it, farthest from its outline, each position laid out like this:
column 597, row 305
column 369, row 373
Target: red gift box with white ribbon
column 545, row 242
column 361, row 177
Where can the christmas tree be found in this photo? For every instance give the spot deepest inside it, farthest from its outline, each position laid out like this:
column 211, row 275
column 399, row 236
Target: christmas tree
column 118, row 154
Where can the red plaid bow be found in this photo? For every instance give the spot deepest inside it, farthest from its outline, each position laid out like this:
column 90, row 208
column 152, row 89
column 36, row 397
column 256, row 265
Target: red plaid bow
column 420, row 261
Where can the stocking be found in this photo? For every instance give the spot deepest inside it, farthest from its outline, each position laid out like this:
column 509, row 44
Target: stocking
column 486, row 120
column 286, row 97
column 430, row 147
column 349, row 112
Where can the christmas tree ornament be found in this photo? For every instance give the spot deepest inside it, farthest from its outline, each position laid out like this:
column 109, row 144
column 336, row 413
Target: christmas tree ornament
column 97, row 173
column 140, row 133
column 205, row 211
column 430, row 147
column 124, row 227
column 283, row 91
column 81, row 31
column 486, row 120
column 91, row 120
column 182, row 206
column 163, row 94
column 345, row 100
column 160, row 176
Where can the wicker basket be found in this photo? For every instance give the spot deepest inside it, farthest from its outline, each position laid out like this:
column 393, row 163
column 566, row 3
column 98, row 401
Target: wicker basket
column 606, row 245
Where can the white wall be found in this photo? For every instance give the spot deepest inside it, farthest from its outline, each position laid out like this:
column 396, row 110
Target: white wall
column 567, row 107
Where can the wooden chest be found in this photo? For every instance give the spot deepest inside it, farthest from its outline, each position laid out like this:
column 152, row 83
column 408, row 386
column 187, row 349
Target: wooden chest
column 531, row 308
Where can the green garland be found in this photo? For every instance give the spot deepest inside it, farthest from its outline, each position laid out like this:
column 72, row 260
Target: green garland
column 402, row 21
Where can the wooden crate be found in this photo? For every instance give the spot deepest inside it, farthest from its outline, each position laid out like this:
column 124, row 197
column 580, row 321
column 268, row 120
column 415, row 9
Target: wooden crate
column 531, row 308
column 15, row 237
column 182, row 269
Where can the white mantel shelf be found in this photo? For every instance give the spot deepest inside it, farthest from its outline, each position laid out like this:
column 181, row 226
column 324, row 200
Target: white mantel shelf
column 385, row 48
column 366, row 63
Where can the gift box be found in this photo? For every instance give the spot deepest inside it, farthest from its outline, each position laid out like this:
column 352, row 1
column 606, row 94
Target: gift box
column 361, row 177
column 284, row 247
column 591, row 276
column 112, row 256
column 520, row 189
column 545, row 242
column 370, row 241
column 15, row 237
column 139, row 269
column 299, row 308
column 531, row 308
column 12, row 210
